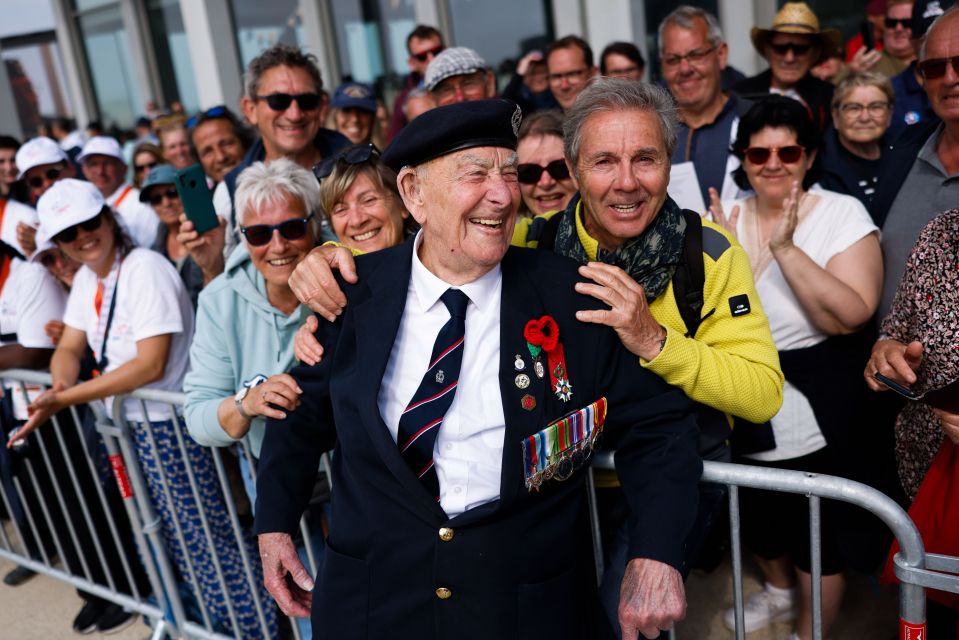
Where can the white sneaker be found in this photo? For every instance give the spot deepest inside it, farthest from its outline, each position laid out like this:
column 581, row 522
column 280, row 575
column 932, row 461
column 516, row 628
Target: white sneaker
column 764, row 608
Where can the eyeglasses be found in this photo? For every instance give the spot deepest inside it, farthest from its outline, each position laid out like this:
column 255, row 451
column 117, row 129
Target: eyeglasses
column 423, row 56
column 52, row 175
column 531, row 173
column 892, row 23
column 216, row 112
column 788, row 155
column 357, row 154
column 50, row 258
column 855, row 109
column 70, row 233
column 282, row 101
column 624, row 72
column 694, row 56
column 157, row 196
column 935, row 68
column 145, row 167
column 797, row 49
column 471, row 86
column 571, row 77
column 260, row 234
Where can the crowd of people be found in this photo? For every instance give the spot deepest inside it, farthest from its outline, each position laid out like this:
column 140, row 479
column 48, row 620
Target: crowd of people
column 743, row 264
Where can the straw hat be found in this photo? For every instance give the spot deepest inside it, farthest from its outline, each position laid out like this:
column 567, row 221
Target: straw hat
column 797, row 18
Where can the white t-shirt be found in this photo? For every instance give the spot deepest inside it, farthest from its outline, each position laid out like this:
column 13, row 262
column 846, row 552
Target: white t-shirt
column 14, row 213
column 138, row 218
column 836, row 223
column 30, row 299
column 150, row 301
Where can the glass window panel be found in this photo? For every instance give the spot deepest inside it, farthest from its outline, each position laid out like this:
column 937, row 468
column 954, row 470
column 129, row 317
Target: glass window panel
column 86, row 5
column 371, row 39
column 173, row 53
column 259, row 25
column 37, row 83
column 109, row 59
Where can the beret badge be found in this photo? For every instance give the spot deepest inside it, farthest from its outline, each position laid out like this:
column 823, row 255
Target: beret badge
column 517, row 120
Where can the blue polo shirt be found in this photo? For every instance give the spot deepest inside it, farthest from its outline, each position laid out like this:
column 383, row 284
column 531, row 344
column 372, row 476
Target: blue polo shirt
column 912, row 104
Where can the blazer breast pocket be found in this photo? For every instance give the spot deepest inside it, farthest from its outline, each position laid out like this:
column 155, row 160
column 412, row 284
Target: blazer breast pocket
column 549, row 609
column 341, row 598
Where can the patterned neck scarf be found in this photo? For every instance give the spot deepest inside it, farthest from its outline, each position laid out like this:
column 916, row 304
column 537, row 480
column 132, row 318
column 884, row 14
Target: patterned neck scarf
column 650, row 258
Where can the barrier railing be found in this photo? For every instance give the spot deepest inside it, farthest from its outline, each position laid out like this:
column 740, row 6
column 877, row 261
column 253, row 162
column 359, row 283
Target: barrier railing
column 914, row 568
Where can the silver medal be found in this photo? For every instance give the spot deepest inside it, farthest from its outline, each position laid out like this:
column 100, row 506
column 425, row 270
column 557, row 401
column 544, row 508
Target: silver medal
column 522, row 381
column 539, row 369
column 518, row 364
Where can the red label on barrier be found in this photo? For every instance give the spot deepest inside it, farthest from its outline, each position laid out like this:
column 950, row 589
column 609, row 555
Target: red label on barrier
column 910, row 631
column 120, row 473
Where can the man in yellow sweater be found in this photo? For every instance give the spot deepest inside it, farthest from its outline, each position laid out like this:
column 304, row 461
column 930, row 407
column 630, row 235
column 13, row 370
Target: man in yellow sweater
column 630, row 237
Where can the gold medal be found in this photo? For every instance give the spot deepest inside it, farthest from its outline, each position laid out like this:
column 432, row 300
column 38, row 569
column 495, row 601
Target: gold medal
column 522, row 381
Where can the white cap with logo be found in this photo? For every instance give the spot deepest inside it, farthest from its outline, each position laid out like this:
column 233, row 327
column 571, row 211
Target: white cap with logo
column 38, row 152
column 102, row 146
column 67, row 203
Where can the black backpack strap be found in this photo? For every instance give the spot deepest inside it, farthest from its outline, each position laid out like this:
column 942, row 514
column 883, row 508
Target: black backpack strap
column 690, row 278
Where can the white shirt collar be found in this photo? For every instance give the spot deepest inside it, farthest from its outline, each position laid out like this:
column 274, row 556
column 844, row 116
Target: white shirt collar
column 428, row 288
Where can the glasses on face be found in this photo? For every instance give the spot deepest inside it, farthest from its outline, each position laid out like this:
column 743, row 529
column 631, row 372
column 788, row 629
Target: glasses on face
column 935, row 68
column 530, row 173
column 470, row 86
column 216, row 112
column 797, row 49
column 70, row 233
column 282, row 101
column 572, row 77
column 260, row 234
column 351, row 155
column 140, row 168
column 624, row 72
column 787, row 155
column 53, row 174
column 157, row 196
column 423, row 56
column 855, row 109
column 892, row 23
column 693, row 57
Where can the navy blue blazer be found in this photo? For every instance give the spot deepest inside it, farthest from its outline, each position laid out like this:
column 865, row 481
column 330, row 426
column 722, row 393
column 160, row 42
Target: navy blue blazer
column 518, row 567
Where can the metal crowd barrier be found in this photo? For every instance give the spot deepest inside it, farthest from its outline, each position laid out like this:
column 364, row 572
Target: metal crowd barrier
column 915, row 568
column 69, row 500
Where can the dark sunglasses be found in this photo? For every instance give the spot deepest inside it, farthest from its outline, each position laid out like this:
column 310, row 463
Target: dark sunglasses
column 761, row 155
column 145, row 167
column 357, row 154
column 70, row 233
column 157, row 197
column 531, row 173
column 892, row 23
column 935, row 68
column 797, row 49
column 260, row 234
column 212, row 112
column 52, row 175
column 423, row 56
column 282, row 101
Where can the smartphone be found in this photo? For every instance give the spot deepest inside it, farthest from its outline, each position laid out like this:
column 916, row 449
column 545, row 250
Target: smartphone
column 868, row 35
column 196, row 198
column 895, row 386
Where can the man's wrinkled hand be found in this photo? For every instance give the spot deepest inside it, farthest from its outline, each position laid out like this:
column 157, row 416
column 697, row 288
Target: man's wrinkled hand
column 651, row 599
column 314, row 285
column 284, row 575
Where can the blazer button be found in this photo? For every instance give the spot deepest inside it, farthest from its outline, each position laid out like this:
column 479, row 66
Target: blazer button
column 443, row 593
column 446, row 534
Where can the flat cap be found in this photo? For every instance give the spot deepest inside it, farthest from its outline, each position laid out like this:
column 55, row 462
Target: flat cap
column 464, row 125
column 455, row 61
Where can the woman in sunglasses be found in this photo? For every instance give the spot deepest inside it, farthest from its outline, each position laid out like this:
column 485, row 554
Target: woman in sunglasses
column 146, row 156
column 818, row 268
column 544, row 179
column 131, row 308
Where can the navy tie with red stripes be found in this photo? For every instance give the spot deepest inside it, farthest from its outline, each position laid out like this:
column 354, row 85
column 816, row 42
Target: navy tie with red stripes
column 422, row 418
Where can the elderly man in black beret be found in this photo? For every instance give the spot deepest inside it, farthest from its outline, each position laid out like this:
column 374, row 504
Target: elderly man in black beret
column 464, row 399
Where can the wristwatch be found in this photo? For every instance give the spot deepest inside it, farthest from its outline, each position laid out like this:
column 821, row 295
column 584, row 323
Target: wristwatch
column 238, row 401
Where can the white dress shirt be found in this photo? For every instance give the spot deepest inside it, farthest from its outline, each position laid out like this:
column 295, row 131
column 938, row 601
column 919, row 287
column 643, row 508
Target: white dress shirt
column 468, row 453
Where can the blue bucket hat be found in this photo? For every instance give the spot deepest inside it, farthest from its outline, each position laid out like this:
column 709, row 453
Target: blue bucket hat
column 161, row 174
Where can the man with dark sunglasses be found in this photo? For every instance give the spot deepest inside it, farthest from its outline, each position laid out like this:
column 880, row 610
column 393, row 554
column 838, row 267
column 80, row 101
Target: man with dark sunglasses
column 920, row 172
column 793, row 45
column 424, row 43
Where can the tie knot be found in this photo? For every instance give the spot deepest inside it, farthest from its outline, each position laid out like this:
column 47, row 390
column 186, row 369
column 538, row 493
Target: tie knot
column 456, row 301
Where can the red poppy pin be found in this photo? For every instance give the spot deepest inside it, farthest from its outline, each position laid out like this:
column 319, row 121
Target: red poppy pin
column 543, row 335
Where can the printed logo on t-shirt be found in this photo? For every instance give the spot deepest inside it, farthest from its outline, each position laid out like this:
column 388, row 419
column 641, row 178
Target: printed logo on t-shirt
column 739, row 305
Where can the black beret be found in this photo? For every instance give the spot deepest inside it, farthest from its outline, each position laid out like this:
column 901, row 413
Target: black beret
column 464, row 125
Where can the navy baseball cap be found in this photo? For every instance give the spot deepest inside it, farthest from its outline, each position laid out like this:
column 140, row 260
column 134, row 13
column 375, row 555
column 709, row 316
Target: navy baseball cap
column 464, row 125
column 356, row 95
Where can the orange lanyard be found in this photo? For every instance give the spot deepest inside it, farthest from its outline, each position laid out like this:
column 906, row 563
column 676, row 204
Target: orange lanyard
column 126, row 192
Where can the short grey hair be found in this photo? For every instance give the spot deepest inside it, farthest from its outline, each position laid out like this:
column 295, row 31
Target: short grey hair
column 948, row 12
column 618, row 94
column 685, row 16
column 264, row 183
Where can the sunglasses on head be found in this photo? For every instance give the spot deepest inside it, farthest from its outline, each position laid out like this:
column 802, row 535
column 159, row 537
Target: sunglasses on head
column 761, row 155
column 423, row 56
column 282, row 101
column 797, row 49
column 935, row 68
column 892, row 23
column 530, row 173
column 157, row 196
column 70, row 233
column 145, row 167
column 52, row 175
column 357, row 154
column 212, row 112
column 260, row 234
